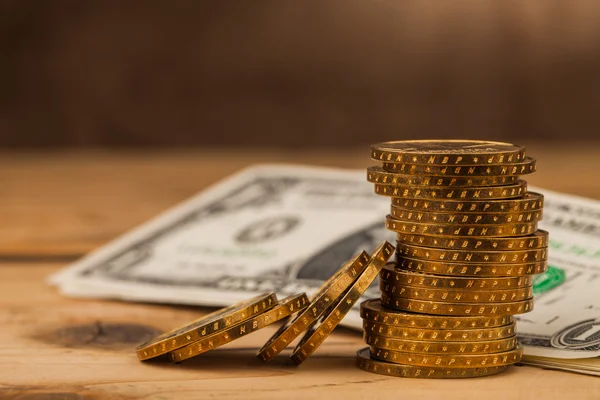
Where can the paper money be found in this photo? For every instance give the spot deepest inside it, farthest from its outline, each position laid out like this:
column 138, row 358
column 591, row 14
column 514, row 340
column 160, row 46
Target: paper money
column 565, row 322
column 588, row 366
column 288, row 228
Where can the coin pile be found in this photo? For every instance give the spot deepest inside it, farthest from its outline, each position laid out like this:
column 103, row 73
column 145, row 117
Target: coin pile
column 315, row 318
column 467, row 248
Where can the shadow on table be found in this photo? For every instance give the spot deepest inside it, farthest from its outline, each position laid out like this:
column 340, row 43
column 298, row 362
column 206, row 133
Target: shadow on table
column 245, row 358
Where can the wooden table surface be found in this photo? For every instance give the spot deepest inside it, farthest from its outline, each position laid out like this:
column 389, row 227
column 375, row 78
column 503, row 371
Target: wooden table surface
column 58, row 206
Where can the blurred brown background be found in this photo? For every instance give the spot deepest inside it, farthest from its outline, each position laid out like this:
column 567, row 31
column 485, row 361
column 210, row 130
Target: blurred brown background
column 318, row 72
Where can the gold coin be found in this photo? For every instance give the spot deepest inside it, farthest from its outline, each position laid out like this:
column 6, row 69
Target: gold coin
column 415, row 192
column 381, row 176
column 439, row 335
column 457, row 295
column 283, row 309
column 528, row 166
column 372, row 310
column 415, row 279
column 447, row 152
column 507, row 357
column 319, row 331
column 427, row 217
column 504, row 230
column 536, row 240
column 460, row 269
column 439, row 308
column 530, row 201
column 205, row 326
column 327, row 295
column 471, row 256
column 427, row 347
column 364, row 362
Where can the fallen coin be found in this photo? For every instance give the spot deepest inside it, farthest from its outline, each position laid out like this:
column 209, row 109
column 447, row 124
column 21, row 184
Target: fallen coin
column 284, row 308
column 205, row 326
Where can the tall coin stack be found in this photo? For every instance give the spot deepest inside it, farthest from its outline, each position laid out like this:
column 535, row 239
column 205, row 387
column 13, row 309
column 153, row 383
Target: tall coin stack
column 468, row 246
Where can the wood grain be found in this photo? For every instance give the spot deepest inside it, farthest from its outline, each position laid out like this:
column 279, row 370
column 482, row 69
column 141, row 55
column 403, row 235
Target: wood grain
column 39, row 356
column 67, row 203
column 64, row 204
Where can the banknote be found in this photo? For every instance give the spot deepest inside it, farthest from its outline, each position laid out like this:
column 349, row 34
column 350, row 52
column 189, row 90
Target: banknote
column 588, row 366
column 288, row 228
column 565, row 322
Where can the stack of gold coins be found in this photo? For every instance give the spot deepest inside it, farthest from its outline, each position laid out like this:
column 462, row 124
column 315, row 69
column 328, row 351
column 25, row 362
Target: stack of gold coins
column 468, row 245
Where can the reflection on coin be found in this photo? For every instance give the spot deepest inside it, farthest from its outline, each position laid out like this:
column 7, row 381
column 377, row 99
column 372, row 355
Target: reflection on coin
column 447, row 152
column 471, row 255
column 372, row 310
column 527, row 166
column 364, row 362
column 439, row 335
column 531, row 201
column 536, row 240
column 449, row 230
column 466, row 269
column 415, row 192
column 381, row 176
column 427, row 217
column 507, row 357
column 427, row 347
column 394, row 276
column 446, row 308
column 457, row 295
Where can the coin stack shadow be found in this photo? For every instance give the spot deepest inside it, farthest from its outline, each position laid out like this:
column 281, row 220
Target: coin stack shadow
column 467, row 248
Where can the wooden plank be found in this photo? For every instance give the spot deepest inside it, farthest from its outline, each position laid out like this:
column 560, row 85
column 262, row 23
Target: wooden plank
column 54, row 347
column 69, row 203
column 65, row 204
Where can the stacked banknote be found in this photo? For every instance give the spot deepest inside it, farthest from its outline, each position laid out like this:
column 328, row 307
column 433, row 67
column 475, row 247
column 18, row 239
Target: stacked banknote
column 467, row 249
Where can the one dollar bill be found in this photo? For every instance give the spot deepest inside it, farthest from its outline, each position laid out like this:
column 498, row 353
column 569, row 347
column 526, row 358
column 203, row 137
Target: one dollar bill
column 288, row 228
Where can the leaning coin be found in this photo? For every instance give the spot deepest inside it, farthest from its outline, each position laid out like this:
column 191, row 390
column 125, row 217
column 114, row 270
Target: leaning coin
column 439, row 335
column 528, row 166
column 471, row 255
column 459, row 296
column 381, row 176
column 394, row 276
column 372, row 310
column 514, row 190
column 319, row 331
column 447, row 152
column 327, row 295
column 439, row 308
column 507, row 357
column 427, row 347
column 466, row 269
column 284, row 308
column 531, row 201
column 205, row 326
column 451, row 230
column 459, row 217
column 536, row 240
column 364, row 362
